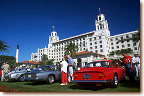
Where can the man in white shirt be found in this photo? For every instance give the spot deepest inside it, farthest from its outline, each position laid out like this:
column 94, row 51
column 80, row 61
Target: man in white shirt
column 64, row 65
column 136, row 62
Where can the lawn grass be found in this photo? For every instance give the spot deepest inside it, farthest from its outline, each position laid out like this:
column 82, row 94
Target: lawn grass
column 43, row 87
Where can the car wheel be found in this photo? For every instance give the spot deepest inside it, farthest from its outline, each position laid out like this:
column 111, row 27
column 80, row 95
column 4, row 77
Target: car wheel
column 50, row 79
column 115, row 81
column 21, row 78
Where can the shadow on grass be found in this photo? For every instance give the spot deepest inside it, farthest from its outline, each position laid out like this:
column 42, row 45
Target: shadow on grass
column 88, row 87
column 130, row 84
column 35, row 83
column 127, row 84
column 38, row 83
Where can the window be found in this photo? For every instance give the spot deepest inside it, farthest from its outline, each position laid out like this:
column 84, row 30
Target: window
column 90, row 43
column 122, row 41
column 100, row 41
column 100, row 46
column 96, row 51
column 135, row 48
column 122, row 46
column 95, row 47
column 127, row 40
column 90, row 48
column 128, row 45
column 116, row 38
column 117, row 42
column 95, row 42
column 117, row 46
column 94, row 38
column 99, row 18
column 121, row 38
column 111, row 39
column 90, row 39
column 101, row 50
column 99, row 37
column 134, row 44
column 83, row 38
column 112, row 47
column 127, row 36
column 111, row 43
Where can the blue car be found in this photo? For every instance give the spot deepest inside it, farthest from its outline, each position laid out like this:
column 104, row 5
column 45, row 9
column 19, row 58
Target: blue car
column 48, row 73
column 17, row 74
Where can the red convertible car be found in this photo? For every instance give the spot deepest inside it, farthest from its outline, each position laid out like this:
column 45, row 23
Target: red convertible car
column 100, row 72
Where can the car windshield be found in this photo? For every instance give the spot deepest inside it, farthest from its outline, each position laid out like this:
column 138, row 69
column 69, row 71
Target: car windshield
column 97, row 64
column 44, row 68
column 20, row 70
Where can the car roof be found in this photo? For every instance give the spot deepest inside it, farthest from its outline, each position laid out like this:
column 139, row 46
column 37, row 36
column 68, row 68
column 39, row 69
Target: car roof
column 103, row 60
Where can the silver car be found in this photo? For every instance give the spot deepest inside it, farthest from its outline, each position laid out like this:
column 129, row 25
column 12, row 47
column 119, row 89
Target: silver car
column 48, row 73
column 17, row 74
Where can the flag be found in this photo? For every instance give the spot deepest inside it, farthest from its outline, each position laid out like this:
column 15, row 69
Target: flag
column 99, row 10
column 53, row 27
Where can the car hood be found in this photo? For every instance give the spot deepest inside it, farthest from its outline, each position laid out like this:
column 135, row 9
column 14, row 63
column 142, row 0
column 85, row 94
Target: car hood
column 92, row 69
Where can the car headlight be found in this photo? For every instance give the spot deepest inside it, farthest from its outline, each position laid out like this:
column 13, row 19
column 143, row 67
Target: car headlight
column 17, row 75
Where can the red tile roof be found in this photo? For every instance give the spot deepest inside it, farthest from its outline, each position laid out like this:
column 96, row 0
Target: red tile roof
column 87, row 52
column 30, row 62
column 83, row 52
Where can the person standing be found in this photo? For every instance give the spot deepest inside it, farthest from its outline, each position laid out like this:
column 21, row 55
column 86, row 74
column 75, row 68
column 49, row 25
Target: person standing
column 64, row 65
column 136, row 62
column 70, row 67
column 5, row 70
column 127, row 61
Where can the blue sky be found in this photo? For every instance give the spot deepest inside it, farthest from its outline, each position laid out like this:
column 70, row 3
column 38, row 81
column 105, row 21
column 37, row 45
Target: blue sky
column 28, row 22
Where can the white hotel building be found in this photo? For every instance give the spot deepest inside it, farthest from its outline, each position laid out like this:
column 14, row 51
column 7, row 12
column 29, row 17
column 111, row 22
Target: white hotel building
column 95, row 44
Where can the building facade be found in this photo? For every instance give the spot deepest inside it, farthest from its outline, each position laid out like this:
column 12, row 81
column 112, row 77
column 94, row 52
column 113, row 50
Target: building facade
column 98, row 41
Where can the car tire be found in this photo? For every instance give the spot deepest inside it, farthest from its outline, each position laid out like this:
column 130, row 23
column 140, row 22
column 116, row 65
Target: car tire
column 21, row 78
column 50, row 79
column 115, row 81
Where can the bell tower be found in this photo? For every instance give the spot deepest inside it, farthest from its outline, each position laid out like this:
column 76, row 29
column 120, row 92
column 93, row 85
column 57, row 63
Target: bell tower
column 53, row 38
column 102, row 24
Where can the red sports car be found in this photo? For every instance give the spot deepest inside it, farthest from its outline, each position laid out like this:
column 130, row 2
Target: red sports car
column 0, row 72
column 100, row 72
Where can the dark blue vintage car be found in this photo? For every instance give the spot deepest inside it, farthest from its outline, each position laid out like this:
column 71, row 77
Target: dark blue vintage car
column 48, row 73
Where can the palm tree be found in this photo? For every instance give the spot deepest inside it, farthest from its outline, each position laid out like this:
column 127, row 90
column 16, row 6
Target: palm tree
column 112, row 53
column 129, row 50
column 70, row 49
column 44, row 59
column 50, row 62
column 3, row 46
column 118, row 52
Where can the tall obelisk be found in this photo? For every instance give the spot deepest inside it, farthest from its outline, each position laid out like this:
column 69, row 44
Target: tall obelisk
column 17, row 51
